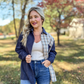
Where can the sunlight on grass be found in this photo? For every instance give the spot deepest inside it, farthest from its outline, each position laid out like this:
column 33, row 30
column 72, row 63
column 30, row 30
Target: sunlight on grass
column 67, row 66
column 10, row 63
column 66, row 82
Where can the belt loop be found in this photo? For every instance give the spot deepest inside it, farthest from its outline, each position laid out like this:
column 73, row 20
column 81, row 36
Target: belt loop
column 34, row 61
column 41, row 61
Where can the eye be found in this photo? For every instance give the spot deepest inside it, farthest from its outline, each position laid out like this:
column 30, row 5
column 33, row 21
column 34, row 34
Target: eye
column 30, row 17
column 36, row 16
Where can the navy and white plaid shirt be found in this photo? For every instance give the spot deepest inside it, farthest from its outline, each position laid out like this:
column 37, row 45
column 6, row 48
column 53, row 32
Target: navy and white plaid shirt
column 46, row 40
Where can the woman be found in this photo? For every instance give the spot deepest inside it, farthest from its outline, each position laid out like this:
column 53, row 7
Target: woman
column 36, row 49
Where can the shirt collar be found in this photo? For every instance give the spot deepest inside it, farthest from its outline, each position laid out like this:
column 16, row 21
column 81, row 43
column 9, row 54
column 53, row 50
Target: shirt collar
column 43, row 32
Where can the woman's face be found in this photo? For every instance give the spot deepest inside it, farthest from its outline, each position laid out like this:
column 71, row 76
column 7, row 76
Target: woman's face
column 35, row 19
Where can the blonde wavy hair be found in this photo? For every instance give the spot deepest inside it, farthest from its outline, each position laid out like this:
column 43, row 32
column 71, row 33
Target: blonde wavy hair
column 27, row 26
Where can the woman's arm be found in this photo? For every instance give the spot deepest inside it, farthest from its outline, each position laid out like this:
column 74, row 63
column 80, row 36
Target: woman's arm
column 52, row 53
column 20, row 49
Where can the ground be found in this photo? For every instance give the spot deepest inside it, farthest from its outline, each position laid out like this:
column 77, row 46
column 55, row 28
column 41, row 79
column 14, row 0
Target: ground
column 68, row 64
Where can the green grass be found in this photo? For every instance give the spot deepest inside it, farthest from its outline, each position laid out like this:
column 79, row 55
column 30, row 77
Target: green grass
column 9, row 62
column 68, row 64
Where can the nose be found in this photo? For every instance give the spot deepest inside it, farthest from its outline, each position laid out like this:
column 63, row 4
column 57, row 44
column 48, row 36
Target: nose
column 33, row 19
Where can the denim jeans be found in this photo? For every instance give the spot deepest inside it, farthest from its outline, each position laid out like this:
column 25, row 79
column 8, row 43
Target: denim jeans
column 42, row 74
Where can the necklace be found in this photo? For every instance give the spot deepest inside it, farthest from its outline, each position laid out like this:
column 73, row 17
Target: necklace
column 37, row 35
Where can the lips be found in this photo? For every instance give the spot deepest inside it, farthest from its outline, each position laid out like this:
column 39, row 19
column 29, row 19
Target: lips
column 34, row 23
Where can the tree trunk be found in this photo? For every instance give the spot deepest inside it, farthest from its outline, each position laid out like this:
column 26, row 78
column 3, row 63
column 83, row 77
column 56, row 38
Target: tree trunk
column 22, row 18
column 14, row 18
column 58, row 34
column 83, row 26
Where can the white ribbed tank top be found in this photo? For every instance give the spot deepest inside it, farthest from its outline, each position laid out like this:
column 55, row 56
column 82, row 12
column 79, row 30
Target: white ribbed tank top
column 37, row 52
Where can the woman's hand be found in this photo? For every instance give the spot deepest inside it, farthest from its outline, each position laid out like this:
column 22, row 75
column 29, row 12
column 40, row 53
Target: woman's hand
column 28, row 58
column 46, row 63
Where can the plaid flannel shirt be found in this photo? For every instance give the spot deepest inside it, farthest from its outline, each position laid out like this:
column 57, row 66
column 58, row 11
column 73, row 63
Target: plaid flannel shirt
column 48, row 40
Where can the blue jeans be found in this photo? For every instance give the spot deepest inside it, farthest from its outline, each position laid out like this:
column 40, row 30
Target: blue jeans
column 42, row 74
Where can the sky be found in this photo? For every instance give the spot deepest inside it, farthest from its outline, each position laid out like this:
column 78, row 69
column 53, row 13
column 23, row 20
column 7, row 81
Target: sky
column 4, row 22
column 5, row 19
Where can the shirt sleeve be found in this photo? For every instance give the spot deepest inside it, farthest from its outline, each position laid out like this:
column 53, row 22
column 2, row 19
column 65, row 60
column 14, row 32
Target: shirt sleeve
column 20, row 49
column 52, row 53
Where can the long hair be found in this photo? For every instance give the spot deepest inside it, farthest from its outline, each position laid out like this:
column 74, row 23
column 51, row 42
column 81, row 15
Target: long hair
column 27, row 26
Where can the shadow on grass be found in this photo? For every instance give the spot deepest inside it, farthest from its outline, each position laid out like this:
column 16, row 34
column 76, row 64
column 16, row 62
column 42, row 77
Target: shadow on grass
column 9, row 56
column 6, row 44
column 71, row 58
column 74, row 52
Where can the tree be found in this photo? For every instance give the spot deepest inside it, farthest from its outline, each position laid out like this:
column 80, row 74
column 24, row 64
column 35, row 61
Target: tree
column 14, row 18
column 22, row 18
column 60, row 13
column 11, row 5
